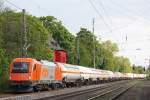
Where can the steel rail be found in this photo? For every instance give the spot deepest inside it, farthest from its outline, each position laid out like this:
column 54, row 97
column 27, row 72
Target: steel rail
column 121, row 93
column 121, row 90
column 77, row 93
column 71, row 93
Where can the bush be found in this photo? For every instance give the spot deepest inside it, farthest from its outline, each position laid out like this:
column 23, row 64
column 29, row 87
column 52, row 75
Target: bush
column 3, row 70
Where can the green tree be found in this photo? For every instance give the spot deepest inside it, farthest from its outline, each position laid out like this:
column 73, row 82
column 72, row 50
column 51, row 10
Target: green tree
column 86, row 47
column 138, row 69
column 3, row 69
column 122, row 64
column 64, row 38
column 108, row 49
column 11, row 38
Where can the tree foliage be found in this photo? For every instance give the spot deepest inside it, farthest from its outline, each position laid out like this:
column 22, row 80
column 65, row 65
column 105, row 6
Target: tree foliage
column 11, row 39
column 64, row 38
column 105, row 53
column 138, row 69
column 85, row 47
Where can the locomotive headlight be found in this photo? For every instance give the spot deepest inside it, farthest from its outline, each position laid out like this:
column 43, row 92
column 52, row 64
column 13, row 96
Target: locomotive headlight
column 10, row 77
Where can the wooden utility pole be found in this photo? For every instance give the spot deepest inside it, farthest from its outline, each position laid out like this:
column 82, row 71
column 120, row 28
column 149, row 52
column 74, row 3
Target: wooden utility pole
column 93, row 44
column 24, row 34
column 78, row 50
column 149, row 65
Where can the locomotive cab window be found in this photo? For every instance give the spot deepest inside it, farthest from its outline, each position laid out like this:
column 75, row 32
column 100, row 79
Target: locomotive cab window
column 20, row 67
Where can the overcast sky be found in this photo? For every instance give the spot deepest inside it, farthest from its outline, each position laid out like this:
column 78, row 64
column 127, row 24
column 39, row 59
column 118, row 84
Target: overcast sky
column 126, row 22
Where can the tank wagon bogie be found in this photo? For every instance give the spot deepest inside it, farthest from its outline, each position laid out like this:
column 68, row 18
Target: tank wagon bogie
column 27, row 74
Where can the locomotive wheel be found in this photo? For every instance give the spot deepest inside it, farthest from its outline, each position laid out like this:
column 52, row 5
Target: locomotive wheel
column 37, row 88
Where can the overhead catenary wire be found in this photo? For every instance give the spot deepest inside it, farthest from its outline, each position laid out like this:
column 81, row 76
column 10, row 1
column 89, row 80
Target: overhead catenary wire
column 99, row 14
column 107, row 25
column 100, row 3
column 40, row 8
column 117, row 28
column 134, row 18
column 138, row 17
column 45, row 10
column 106, row 13
column 9, row 2
column 18, row 8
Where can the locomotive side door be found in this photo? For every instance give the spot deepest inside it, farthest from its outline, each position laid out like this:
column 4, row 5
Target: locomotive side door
column 34, row 73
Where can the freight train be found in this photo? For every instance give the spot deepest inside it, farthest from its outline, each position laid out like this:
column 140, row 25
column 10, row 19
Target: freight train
column 28, row 74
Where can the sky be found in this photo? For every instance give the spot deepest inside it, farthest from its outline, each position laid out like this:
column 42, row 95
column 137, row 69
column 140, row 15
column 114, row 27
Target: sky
column 125, row 22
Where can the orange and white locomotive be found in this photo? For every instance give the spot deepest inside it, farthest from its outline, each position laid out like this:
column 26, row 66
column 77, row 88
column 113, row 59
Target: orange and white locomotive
column 28, row 74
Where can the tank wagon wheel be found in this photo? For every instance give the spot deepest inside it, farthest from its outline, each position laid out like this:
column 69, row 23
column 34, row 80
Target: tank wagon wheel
column 78, row 84
column 63, row 85
column 86, row 82
column 45, row 87
column 67, row 85
column 55, row 86
column 90, row 81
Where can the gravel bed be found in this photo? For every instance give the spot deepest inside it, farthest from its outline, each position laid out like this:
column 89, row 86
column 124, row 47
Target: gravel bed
column 141, row 91
column 32, row 96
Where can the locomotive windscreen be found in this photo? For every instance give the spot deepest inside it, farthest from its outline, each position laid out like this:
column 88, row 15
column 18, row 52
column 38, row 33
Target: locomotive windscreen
column 20, row 67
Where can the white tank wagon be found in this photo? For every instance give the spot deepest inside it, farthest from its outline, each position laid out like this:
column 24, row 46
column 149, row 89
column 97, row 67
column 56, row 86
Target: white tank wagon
column 107, row 75
column 139, row 76
column 70, row 74
column 86, row 74
column 129, row 75
column 110, row 75
column 118, row 76
column 74, row 74
column 135, row 76
column 142, row 76
column 94, row 74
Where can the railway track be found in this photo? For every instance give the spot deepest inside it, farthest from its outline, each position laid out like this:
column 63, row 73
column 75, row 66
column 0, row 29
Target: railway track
column 113, row 94
column 88, row 93
column 83, row 93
